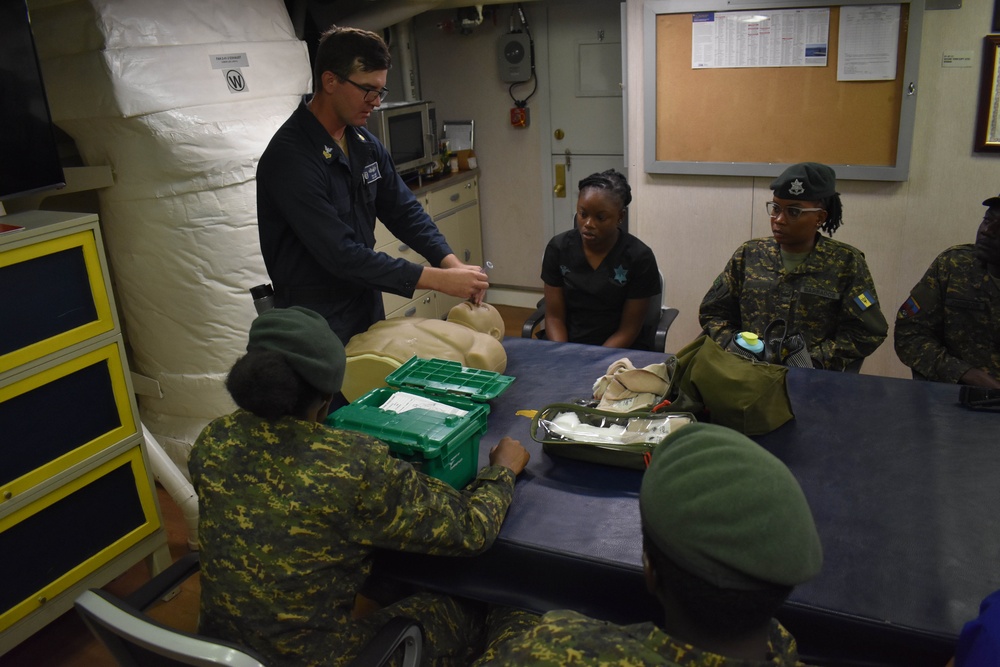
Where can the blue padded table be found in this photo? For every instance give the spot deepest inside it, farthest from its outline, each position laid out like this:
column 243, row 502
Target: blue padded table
column 903, row 481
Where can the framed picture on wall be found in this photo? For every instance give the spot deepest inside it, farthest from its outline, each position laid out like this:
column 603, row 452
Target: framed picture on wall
column 996, row 16
column 988, row 117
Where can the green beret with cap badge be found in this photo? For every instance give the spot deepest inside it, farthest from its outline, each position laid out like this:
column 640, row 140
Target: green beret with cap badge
column 305, row 340
column 723, row 508
column 806, row 181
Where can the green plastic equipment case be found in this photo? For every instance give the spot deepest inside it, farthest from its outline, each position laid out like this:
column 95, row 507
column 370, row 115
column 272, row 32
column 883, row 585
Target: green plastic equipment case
column 444, row 446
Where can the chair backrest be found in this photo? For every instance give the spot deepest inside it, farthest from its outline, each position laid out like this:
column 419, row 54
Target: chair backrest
column 647, row 334
column 136, row 640
column 652, row 336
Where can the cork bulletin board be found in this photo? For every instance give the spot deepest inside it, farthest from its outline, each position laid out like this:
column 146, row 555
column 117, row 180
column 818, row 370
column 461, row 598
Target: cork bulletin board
column 757, row 120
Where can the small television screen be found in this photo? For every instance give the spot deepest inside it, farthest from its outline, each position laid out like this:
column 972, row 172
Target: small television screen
column 406, row 137
column 29, row 157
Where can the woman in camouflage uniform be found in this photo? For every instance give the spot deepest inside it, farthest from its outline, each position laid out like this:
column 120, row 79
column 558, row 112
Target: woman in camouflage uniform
column 821, row 288
column 292, row 510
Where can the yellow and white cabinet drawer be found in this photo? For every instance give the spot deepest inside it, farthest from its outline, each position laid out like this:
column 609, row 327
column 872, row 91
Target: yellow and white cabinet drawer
column 58, row 413
column 57, row 292
column 424, row 305
column 440, row 202
column 64, row 536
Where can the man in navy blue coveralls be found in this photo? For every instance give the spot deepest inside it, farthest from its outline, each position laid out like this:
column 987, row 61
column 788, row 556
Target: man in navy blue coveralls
column 321, row 183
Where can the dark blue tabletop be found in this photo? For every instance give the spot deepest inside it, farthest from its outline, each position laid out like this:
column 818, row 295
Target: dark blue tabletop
column 903, row 481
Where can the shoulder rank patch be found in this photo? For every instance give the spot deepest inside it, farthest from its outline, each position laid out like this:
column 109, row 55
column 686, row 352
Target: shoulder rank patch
column 909, row 308
column 865, row 300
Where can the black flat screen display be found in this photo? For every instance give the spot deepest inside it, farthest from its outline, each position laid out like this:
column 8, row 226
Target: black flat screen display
column 29, row 158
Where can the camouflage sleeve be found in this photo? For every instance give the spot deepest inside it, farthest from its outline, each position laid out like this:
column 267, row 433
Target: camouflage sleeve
column 564, row 637
column 719, row 313
column 402, row 509
column 862, row 326
column 919, row 333
column 567, row 638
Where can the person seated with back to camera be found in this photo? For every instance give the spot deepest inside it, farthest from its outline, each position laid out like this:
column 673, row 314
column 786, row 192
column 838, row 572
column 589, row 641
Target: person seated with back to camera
column 727, row 534
column 820, row 287
column 291, row 512
column 598, row 277
column 948, row 330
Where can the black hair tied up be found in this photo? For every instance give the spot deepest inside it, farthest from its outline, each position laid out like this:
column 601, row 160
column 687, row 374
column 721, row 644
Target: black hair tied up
column 609, row 180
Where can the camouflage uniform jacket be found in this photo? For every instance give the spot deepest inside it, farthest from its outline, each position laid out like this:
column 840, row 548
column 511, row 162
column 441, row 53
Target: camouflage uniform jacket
column 829, row 298
column 289, row 514
column 951, row 321
column 569, row 638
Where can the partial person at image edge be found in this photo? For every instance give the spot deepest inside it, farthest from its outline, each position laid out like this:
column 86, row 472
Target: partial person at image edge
column 820, row 287
column 321, row 183
column 948, row 329
column 727, row 535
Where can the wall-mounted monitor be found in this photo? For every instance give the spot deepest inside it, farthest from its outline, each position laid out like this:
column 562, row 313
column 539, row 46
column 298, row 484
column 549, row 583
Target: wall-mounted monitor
column 29, row 157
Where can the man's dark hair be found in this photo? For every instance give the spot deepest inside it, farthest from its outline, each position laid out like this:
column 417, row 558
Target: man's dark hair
column 345, row 51
column 263, row 383
column 724, row 612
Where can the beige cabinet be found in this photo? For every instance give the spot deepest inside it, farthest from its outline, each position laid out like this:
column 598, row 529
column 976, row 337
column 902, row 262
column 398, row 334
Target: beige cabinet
column 78, row 505
column 453, row 204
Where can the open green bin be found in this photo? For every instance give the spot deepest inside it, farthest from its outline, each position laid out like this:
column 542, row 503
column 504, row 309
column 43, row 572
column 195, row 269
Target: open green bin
column 441, row 445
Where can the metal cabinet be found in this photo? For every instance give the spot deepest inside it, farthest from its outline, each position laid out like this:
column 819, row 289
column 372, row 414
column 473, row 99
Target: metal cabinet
column 78, row 505
column 453, row 204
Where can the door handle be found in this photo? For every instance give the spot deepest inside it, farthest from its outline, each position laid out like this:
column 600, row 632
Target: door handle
column 560, row 189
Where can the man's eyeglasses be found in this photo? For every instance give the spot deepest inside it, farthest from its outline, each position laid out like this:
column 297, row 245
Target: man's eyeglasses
column 792, row 213
column 370, row 93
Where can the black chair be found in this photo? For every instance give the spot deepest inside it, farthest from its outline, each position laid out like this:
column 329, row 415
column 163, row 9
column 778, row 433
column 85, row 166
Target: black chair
column 652, row 336
column 137, row 640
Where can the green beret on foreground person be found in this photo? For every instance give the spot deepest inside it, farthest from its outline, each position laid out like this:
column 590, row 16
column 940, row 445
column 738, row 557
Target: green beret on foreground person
column 727, row 535
column 292, row 511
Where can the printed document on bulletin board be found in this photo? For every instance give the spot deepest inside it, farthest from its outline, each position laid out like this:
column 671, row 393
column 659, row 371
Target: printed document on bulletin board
column 763, row 38
column 866, row 48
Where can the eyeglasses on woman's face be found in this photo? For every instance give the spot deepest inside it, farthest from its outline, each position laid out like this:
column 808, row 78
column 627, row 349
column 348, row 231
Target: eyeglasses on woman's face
column 792, row 213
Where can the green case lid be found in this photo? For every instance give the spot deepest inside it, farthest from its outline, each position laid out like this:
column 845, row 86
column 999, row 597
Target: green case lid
column 443, row 377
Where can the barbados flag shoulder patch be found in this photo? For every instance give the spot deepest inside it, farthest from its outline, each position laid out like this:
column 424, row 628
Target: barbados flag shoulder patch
column 865, row 300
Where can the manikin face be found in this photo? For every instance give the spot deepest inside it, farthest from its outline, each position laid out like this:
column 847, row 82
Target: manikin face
column 796, row 234
column 599, row 212
column 988, row 239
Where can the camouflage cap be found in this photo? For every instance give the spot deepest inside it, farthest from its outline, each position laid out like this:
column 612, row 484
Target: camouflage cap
column 806, row 181
column 992, row 201
column 723, row 508
column 307, row 343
